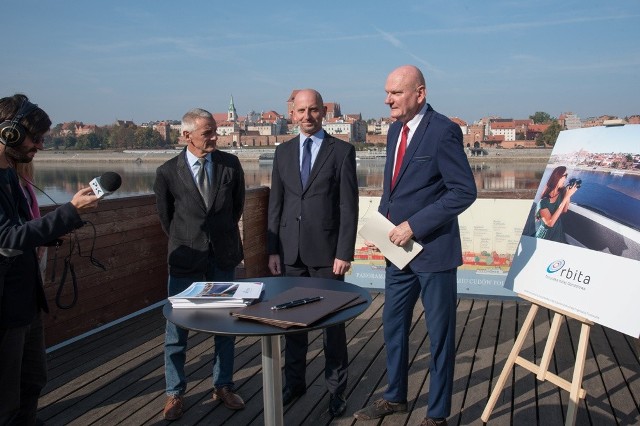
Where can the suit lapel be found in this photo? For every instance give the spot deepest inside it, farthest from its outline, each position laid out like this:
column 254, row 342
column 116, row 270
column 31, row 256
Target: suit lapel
column 416, row 140
column 392, row 142
column 323, row 154
column 218, row 172
column 186, row 177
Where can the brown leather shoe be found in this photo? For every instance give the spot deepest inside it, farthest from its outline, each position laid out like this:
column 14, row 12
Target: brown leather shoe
column 229, row 398
column 173, row 408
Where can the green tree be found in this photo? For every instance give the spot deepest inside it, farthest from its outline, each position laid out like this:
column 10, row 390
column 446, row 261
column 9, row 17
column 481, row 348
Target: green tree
column 121, row 137
column 549, row 136
column 70, row 141
column 174, row 137
column 57, row 142
column 146, row 137
column 541, row 117
column 89, row 141
column 56, row 130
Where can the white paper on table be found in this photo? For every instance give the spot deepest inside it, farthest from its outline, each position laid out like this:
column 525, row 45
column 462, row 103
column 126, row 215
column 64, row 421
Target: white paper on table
column 377, row 229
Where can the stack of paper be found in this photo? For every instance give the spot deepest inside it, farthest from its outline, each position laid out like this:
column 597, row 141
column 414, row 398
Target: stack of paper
column 217, row 295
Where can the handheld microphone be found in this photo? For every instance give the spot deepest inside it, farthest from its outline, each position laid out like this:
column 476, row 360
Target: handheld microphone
column 106, row 184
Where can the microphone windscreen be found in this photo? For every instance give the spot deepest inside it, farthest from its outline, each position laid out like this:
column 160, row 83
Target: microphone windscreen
column 110, row 181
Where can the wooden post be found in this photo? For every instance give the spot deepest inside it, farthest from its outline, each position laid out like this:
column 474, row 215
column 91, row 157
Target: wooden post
column 576, row 392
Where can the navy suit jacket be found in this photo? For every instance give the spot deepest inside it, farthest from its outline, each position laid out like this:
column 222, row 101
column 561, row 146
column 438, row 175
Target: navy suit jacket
column 193, row 229
column 318, row 222
column 434, row 186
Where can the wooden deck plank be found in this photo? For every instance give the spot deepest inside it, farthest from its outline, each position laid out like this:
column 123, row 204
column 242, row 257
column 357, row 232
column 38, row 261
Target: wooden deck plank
column 507, row 330
column 525, row 383
column 548, row 407
column 477, row 386
column 605, row 383
column 465, row 355
column 116, row 376
column 418, row 380
column 309, row 409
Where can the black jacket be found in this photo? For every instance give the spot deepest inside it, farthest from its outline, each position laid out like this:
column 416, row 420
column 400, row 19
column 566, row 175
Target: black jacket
column 193, row 229
column 21, row 292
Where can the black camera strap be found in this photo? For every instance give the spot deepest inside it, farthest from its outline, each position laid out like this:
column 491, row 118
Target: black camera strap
column 69, row 269
column 68, row 266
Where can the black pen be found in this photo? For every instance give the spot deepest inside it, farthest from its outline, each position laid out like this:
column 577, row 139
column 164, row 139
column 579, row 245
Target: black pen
column 295, row 303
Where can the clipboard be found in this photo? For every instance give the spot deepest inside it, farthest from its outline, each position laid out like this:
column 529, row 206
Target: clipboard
column 300, row 316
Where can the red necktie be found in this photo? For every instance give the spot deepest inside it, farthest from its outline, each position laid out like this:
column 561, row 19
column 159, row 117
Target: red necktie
column 401, row 149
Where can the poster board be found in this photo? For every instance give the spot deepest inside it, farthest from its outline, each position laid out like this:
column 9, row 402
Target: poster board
column 587, row 260
column 490, row 230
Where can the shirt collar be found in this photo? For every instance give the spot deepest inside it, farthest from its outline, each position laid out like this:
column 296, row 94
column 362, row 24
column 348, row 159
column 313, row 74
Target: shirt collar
column 192, row 159
column 413, row 123
column 316, row 137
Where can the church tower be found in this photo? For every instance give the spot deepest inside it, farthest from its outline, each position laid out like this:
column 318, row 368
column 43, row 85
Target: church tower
column 231, row 114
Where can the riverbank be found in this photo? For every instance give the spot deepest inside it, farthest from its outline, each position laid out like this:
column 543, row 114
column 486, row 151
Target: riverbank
column 160, row 156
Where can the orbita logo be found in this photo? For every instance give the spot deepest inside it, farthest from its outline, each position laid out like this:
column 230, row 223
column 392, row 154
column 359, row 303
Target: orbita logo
column 555, row 266
column 567, row 273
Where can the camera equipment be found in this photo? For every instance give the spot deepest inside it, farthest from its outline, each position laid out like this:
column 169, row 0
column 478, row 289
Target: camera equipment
column 574, row 182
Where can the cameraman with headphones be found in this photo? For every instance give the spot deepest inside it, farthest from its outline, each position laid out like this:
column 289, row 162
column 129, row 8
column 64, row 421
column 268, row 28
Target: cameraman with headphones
column 23, row 369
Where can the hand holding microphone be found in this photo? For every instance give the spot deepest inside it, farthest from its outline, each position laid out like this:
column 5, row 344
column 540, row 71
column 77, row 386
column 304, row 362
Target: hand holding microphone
column 106, row 184
column 87, row 198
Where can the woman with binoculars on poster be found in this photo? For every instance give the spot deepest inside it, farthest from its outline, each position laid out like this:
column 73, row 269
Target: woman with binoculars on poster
column 554, row 202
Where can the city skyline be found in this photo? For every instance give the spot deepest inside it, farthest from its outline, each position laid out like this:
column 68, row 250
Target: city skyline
column 152, row 60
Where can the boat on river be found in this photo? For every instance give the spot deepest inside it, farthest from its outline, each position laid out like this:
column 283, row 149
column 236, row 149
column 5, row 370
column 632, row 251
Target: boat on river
column 266, row 158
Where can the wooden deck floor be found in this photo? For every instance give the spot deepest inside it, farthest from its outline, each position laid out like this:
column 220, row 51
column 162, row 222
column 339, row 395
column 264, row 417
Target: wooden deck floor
column 116, row 376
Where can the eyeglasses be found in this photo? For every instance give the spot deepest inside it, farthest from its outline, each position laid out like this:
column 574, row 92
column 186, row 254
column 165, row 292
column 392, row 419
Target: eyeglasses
column 37, row 140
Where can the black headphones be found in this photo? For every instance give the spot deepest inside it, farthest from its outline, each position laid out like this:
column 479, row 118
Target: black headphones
column 12, row 133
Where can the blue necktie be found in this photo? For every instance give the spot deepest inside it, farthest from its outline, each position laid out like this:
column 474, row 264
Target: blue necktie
column 305, row 169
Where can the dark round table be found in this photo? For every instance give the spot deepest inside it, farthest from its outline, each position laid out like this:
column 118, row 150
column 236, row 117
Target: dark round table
column 219, row 321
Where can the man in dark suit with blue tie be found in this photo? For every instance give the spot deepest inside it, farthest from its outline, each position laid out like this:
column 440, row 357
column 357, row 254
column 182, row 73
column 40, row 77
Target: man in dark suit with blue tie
column 427, row 184
column 313, row 218
column 200, row 198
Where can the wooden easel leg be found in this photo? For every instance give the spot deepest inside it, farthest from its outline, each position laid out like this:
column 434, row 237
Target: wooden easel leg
column 511, row 360
column 550, row 346
column 578, row 371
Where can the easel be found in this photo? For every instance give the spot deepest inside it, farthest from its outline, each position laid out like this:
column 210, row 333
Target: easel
column 542, row 371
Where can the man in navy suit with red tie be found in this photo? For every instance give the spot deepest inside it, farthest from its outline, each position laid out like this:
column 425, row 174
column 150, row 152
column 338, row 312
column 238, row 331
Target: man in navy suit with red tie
column 427, row 184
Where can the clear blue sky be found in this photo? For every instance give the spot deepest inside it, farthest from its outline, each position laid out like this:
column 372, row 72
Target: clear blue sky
column 98, row 61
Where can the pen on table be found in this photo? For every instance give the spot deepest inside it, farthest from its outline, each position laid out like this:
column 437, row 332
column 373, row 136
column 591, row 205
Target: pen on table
column 295, row 303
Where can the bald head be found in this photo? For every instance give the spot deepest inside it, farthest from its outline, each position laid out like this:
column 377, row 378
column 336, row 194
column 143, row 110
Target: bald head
column 308, row 94
column 410, row 73
column 308, row 111
column 406, row 92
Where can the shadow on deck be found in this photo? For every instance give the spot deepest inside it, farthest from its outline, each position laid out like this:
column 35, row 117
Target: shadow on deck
column 117, row 377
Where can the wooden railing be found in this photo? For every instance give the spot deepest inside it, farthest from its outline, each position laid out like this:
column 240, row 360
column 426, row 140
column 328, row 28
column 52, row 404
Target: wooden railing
column 131, row 245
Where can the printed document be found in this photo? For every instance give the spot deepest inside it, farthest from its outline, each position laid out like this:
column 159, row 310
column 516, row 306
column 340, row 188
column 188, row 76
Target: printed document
column 376, row 230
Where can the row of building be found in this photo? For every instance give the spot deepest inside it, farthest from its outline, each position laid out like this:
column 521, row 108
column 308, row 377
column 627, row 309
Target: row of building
column 270, row 128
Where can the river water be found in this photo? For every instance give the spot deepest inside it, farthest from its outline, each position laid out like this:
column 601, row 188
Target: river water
column 61, row 180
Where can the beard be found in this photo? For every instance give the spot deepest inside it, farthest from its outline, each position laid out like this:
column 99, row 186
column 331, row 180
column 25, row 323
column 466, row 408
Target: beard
column 19, row 154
